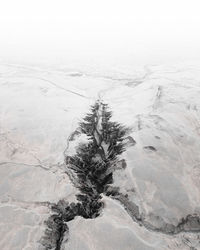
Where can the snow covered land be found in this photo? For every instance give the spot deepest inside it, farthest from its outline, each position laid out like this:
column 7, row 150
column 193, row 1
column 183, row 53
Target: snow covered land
column 157, row 206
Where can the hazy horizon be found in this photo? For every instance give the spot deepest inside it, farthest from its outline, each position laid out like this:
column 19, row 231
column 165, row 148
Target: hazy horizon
column 79, row 31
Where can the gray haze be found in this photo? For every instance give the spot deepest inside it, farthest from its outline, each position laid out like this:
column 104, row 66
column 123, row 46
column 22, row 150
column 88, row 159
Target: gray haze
column 92, row 30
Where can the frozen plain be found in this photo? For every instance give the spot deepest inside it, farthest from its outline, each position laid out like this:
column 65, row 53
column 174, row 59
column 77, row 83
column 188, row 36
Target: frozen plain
column 39, row 109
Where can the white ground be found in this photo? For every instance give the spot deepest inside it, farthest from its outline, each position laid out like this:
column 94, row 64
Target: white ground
column 40, row 107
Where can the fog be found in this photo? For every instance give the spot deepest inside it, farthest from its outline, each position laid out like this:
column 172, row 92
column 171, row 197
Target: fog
column 145, row 30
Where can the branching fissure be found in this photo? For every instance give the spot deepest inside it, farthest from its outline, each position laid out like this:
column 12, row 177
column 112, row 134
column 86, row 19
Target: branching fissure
column 90, row 170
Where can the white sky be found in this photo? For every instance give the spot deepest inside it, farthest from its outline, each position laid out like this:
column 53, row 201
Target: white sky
column 104, row 28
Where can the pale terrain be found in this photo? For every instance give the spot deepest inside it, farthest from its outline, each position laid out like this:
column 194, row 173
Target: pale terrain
column 40, row 107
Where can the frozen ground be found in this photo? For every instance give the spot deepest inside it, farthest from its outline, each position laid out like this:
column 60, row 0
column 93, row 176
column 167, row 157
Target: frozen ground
column 39, row 109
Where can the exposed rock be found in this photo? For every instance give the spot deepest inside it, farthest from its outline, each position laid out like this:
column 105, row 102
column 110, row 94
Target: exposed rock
column 151, row 148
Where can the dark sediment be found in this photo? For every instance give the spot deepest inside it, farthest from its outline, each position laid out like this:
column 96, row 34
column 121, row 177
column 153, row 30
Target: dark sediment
column 92, row 169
